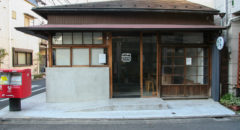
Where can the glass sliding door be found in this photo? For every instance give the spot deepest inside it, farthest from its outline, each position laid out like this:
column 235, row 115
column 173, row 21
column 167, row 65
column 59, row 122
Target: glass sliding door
column 126, row 65
column 149, row 65
column 185, row 72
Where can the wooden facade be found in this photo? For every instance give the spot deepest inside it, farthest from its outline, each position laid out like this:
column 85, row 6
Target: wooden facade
column 165, row 91
column 169, row 14
column 132, row 18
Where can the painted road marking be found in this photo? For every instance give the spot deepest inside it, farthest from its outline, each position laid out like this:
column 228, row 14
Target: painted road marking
column 35, row 86
column 3, row 100
column 37, row 90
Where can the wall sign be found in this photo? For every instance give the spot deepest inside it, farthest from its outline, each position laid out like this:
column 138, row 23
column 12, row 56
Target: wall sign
column 102, row 58
column 188, row 61
column 126, row 57
column 220, row 43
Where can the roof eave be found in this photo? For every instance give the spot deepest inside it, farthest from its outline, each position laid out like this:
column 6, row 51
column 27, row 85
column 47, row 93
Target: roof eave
column 44, row 32
column 44, row 11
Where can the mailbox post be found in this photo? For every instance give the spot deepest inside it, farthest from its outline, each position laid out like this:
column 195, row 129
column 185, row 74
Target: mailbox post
column 15, row 85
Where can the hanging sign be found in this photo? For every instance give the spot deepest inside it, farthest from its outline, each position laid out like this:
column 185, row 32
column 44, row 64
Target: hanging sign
column 126, row 57
column 220, row 43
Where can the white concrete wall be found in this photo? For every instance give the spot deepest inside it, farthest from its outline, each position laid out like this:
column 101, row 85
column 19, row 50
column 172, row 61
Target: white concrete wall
column 233, row 37
column 4, row 28
column 77, row 84
column 236, row 7
column 11, row 38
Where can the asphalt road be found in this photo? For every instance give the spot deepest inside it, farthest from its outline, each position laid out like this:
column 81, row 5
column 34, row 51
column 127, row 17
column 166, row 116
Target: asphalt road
column 38, row 86
column 164, row 124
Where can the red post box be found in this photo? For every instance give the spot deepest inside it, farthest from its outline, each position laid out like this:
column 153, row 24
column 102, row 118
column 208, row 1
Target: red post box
column 15, row 84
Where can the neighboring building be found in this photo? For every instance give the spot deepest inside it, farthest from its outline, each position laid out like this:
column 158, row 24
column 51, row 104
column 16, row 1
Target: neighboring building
column 232, row 36
column 138, row 48
column 22, row 49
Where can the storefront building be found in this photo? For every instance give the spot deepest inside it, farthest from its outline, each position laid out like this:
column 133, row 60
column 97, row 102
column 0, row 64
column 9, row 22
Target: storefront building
column 123, row 49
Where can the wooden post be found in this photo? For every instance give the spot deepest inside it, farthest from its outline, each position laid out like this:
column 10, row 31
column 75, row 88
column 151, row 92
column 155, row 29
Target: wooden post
column 109, row 43
column 238, row 73
column 141, row 63
column 158, row 72
column 50, row 50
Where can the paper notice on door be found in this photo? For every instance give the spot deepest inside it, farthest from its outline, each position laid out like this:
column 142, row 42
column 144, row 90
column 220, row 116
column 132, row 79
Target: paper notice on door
column 188, row 61
column 102, row 58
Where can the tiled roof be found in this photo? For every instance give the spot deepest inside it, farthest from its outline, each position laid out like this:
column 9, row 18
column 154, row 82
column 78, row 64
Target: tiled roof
column 156, row 4
column 131, row 5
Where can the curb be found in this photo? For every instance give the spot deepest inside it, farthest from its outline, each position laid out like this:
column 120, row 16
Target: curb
column 72, row 120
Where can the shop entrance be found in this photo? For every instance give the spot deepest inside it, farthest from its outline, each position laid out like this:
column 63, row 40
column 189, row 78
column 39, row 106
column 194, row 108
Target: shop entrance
column 126, row 65
column 135, row 65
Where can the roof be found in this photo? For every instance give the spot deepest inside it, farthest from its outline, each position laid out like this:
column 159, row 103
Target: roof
column 40, row 31
column 128, row 6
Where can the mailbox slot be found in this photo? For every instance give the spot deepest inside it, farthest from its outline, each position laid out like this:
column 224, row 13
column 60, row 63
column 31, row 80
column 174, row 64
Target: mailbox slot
column 15, row 78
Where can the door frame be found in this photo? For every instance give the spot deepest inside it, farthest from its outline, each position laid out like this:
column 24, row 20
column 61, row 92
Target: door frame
column 110, row 53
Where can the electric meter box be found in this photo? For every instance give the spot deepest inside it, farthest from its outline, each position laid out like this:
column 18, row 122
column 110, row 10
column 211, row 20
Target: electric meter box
column 15, row 83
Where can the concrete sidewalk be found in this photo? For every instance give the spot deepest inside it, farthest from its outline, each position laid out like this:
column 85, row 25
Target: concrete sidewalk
column 137, row 108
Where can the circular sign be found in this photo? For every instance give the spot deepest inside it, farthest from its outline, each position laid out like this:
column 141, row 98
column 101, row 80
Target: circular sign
column 220, row 43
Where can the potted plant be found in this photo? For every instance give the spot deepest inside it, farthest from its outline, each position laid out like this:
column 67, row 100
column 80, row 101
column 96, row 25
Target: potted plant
column 231, row 102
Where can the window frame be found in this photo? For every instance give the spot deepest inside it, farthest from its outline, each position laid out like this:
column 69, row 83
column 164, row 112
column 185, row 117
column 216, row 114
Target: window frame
column 28, row 18
column 185, row 66
column 82, row 33
column 26, row 52
column 72, row 46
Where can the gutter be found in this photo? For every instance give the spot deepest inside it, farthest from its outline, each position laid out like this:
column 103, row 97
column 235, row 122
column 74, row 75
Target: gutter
column 232, row 20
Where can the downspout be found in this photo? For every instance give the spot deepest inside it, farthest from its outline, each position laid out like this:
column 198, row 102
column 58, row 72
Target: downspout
column 232, row 19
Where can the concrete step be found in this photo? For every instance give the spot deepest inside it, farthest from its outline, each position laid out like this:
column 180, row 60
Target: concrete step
column 129, row 104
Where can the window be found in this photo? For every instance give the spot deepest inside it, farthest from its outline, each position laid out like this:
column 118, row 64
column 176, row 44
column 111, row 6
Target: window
column 61, row 56
column 79, row 50
column 98, row 56
column 77, row 38
column 14, row 15
column 185, row 66
column 97, row 38
column 182, row 38
column 80, row 56
column 67, row 38
column 28, row 20
column 87, row 38
column 22, row 57
column 57, row 38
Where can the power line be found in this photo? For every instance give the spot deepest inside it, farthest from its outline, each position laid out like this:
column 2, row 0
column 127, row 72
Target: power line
column 67, row 2
column 60, row 2
column 53, row 2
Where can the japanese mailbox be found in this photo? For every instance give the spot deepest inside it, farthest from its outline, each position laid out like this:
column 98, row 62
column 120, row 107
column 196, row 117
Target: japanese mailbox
column 15, row 84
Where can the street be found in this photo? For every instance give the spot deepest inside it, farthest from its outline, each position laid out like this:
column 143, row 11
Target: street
column 38, row 86
column 162, row 124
